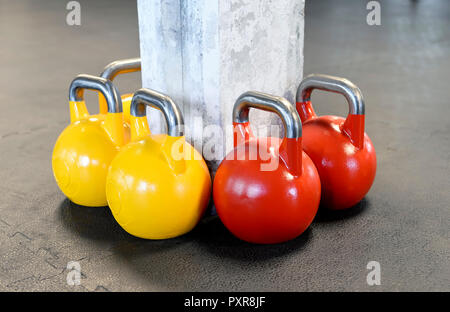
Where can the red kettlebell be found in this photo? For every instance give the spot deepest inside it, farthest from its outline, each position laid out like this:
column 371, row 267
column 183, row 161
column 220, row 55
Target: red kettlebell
column 342, row 152
column 272, row 195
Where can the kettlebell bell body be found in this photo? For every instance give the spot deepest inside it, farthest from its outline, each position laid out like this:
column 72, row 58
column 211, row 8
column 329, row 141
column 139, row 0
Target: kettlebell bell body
column 84, row 150
column 158, row 186
column 342, row 152
column 110, row 72
column 273, row 196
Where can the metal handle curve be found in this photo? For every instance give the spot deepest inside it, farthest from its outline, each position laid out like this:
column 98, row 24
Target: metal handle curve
column 106, row 87
column 162, row 102
column 121, row 67
column 333, row 84
column 279, row 105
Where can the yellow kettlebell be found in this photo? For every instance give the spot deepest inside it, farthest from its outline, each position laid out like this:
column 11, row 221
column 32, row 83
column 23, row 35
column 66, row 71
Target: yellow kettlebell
column 85, row 149
column 110, row 72
column 158, row 186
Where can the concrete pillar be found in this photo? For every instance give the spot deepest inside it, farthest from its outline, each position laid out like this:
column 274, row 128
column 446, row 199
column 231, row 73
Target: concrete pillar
column 205, row 53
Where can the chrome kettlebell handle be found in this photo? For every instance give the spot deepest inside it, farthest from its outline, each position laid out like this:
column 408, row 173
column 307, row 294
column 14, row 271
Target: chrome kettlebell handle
column 121, row 67
column 106, row 87
column 162, row 102
column 276, row 104
column 333, row 84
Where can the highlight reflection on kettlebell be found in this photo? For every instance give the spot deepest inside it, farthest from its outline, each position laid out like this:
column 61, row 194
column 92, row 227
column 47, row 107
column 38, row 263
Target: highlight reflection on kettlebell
column 86, row 147
column 151, row 193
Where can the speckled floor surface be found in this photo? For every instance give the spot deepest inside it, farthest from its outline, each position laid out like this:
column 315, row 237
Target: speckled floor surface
column 402, row 67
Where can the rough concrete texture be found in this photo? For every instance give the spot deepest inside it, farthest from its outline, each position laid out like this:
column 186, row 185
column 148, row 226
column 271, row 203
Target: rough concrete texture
column 403, row 223
column 204, row 54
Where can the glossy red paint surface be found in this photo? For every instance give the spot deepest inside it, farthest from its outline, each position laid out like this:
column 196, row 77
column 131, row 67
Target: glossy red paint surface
column 343, row 154
column 272, row 206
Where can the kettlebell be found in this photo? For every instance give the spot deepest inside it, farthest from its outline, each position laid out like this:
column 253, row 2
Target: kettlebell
column 110, row 72
column 259, row 203
column 158, row 186
column 86, row 147
column 342, row 152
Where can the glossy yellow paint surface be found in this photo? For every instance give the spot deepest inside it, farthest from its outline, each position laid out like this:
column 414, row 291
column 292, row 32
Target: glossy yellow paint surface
column 84, row 151
column 126, row 103
column 152, row 193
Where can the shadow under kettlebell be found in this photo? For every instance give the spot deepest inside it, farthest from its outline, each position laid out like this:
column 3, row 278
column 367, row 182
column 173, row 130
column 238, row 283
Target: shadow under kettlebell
column 214, row 237
column 96, row 223
column 325, row 215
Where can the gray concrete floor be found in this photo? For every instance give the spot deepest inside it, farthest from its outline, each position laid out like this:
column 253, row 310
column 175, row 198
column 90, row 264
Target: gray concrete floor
column 402, row 68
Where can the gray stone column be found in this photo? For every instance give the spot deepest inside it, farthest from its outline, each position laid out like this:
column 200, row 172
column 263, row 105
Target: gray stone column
column 205, row 53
